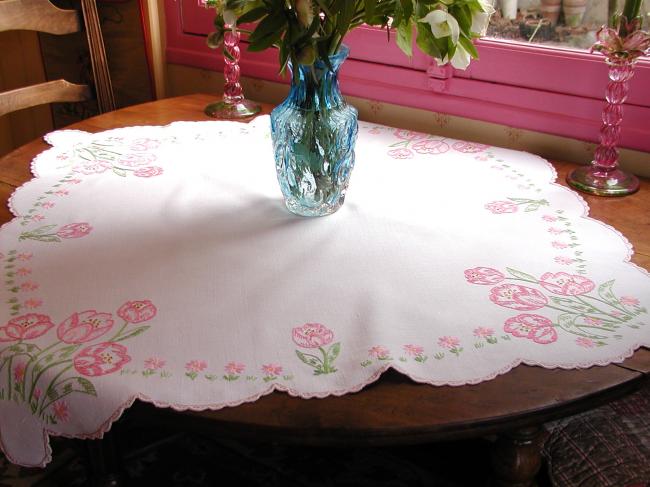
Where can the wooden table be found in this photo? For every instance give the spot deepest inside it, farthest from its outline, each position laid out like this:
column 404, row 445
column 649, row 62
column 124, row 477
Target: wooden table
column 396, row 410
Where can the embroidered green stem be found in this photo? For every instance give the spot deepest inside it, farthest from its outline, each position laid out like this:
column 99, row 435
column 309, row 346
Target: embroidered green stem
column 119, row 332
column 326, row 363
column 31, row 375
column 51, row 385
column 35, row 381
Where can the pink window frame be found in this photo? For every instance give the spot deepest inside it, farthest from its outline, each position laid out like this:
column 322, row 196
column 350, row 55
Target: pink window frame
column 556, row 91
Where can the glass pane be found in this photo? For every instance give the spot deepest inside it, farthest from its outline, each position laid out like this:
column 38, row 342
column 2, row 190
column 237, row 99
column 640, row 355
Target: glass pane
column 566, row 23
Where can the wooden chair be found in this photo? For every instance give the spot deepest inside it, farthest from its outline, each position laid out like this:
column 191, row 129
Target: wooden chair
column 42, row 16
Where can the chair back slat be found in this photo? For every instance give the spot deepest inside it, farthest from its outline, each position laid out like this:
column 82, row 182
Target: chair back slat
column 43, row 16
column 103, row 85
column 37, row 15
column 50, row 92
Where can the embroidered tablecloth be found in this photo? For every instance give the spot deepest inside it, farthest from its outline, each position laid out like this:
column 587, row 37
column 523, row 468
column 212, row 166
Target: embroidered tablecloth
column 159, row 263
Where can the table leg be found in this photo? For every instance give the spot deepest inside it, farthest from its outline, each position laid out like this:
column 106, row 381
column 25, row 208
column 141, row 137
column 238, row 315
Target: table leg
column 103, row 462
column 516, row 457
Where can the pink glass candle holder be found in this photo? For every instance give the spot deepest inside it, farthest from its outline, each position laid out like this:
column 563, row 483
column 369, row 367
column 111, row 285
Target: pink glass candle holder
column 233, row 105
column 603, row 177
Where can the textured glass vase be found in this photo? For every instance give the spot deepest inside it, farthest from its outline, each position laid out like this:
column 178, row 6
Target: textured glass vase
column 314, row 131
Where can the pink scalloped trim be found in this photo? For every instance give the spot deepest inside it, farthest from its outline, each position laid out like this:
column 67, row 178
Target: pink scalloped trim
column 107, row 424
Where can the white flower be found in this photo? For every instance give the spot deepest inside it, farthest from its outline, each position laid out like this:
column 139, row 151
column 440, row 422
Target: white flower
column 460, row 60
column 481, row 19
column 442, row 24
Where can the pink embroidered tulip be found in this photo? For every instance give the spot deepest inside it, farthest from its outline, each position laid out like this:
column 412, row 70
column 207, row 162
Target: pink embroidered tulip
column 312, row 335
column 61, row 411
column 84, row 326
column 133, row 160
column 144, row 144
column 469, row 147
column 409, row 134
column 137, row 311
column 566, row 284
column 413, row 350
column 534, row 327
column 101, row 359
column 431, row 146
column 401, row 153
column 25, row 327
column 89, row 168
column 148, row 172
column 74, row 230
column 499, row 207
column 517, row 297
column 483, row 275
column 272, row 369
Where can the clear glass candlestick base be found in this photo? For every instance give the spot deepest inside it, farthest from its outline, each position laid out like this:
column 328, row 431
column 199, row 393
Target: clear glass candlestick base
column 232, row 111
column 603, row 183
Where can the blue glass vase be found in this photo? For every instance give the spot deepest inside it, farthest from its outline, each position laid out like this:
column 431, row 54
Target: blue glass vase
column 313, row 133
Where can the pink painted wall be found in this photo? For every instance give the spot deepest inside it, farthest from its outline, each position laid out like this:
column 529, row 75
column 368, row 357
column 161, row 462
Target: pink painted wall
column 554, row 91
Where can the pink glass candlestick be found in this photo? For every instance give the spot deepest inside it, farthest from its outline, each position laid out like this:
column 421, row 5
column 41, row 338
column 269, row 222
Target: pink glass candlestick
column 233, row 105
column 603, row 176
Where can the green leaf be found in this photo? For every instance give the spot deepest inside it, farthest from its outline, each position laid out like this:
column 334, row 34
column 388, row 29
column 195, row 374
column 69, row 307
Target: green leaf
column 119, row 171
column 369, row 8
column 308, row 359
column 87, row 387
column 252, row 15
column 405, row 38
column 43, row 229
column 426, row 42
column 573, row 305
column 52, row 394
column 521, row 275
column 469, row 46
column 606, row 293
column 268, row 31
column 334, row 351
column 133, row 333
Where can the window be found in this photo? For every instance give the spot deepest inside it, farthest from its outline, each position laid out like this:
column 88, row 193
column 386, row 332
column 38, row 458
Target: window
column 526, row 85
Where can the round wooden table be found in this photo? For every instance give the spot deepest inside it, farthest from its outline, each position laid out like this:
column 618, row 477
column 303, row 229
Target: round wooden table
column 396, row 410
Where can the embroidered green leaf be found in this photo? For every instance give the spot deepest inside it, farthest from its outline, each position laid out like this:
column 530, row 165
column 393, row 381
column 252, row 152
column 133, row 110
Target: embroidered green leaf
column 573, row 305
column 52, row 394
column 119, row 172
column 133, row 333
column 606, row 293
column 521, row 275
column 310, row 360
column 87, row 387
column 334, row 351
column 44, row 229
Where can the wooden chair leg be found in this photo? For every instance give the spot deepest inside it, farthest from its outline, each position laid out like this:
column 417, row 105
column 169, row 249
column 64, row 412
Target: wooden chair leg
column 104, row 463
column 516, row 457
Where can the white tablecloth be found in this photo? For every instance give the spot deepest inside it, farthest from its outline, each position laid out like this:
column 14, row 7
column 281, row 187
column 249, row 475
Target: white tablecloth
column 159, row 263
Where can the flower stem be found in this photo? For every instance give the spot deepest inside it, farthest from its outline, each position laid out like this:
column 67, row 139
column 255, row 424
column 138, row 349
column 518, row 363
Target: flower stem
column 51, row 385
column 326, row 364
column 31, row 392
column 119, row 332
